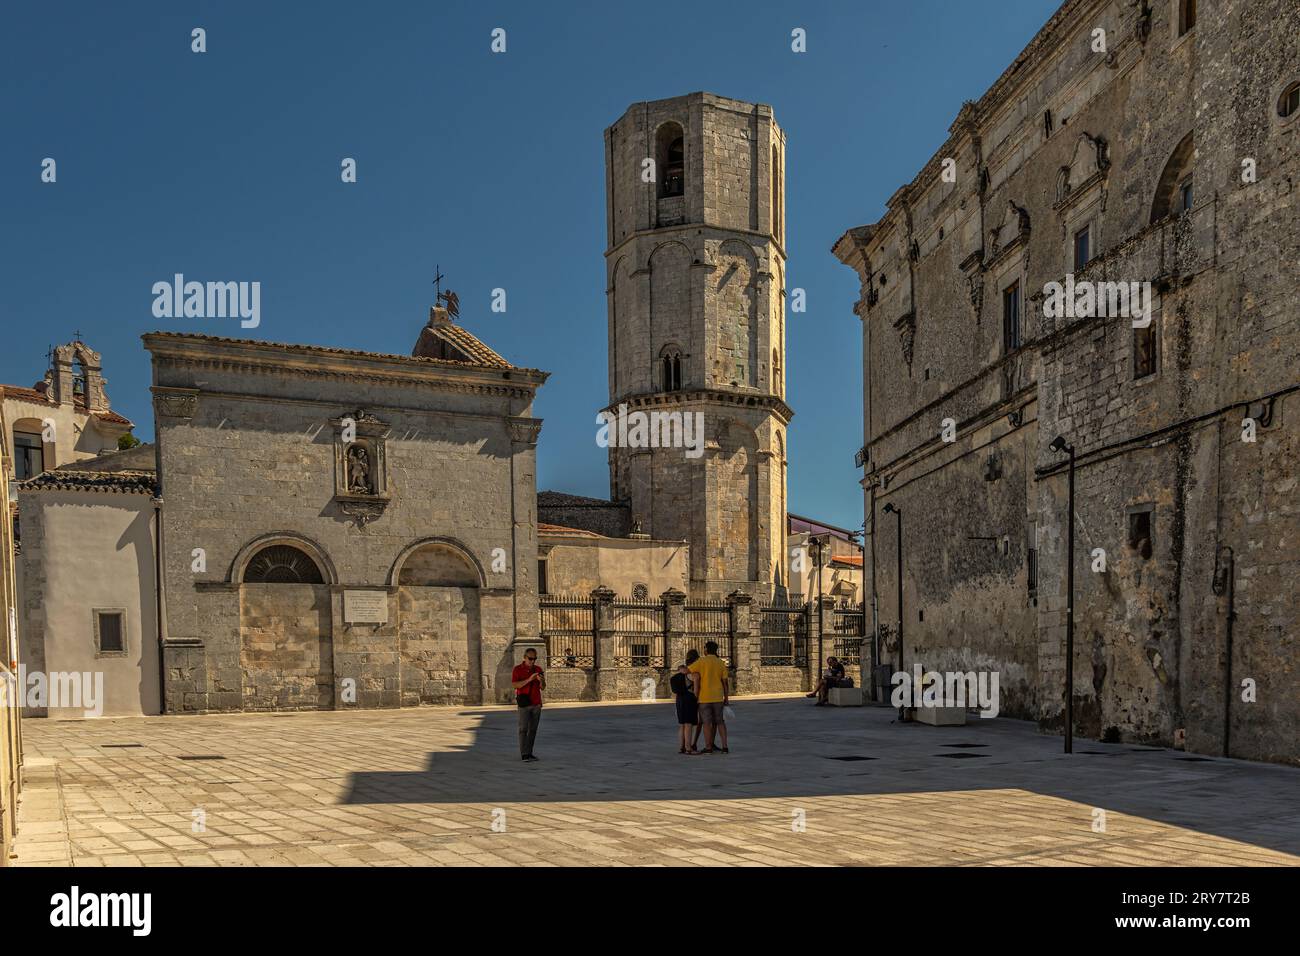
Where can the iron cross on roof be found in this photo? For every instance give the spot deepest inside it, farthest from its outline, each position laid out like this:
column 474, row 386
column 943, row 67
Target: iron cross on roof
column 448, row 299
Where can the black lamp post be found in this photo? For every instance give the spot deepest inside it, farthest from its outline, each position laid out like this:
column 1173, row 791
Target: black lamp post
column 890, row 508
column 817, row 548
column 1060, row 447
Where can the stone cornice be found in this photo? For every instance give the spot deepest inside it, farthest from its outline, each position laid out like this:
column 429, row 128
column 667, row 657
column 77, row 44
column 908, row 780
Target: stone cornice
column 968, row 125
column 171, row 350
column 697, row 396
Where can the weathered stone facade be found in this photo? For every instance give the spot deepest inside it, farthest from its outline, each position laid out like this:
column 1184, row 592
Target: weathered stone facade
column 344, row 529
column 696, row 275
column 1164, row 158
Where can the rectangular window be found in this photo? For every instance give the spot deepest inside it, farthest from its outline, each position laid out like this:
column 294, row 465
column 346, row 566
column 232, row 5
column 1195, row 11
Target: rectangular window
column 1082, row 252
column 1144, row 351
column 740, row 373
column 1139, row 531
column 1011, row 318
column 1031, row 567
column 109, row 632
column 29, row 456
column 1185, row 196
column 1186, row 15
column 543, row 586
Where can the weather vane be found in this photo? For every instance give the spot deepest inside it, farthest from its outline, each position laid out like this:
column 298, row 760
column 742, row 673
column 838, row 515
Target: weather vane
column 447, row 299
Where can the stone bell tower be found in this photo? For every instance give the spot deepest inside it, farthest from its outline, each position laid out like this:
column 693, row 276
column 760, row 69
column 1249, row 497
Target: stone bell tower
column 695, row 262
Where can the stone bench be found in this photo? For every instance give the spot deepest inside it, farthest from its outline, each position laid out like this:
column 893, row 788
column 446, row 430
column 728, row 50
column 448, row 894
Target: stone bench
column 940, row 716
column 844, row 697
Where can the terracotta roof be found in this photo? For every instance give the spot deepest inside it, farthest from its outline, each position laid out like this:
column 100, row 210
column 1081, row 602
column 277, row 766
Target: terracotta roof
column 561, row 529
column 26, row 395
column 123, row 482
column 38, row 397
column 461, row 341
column 852, row 560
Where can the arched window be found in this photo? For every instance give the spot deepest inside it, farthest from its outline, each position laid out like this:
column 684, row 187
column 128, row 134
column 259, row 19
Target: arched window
column 29, row 451
column 671, row 370
column 1174, row 191
column 1289, row 101
column 438, row 565
column 282, row 564
column 670, row 156
column 777, row 384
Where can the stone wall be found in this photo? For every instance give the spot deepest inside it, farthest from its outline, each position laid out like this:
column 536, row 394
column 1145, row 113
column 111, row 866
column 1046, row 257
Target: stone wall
column 249, row 456
column 701, row 278
column 1072, row 140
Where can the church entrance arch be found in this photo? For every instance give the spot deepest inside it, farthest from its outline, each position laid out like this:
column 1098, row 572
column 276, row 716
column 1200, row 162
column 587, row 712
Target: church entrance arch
column 439, row 626
column 286, row 648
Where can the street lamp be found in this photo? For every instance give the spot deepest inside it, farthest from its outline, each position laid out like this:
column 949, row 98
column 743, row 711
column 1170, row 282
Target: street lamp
column 1060, row 447
column 890, row 508
column 817, row 547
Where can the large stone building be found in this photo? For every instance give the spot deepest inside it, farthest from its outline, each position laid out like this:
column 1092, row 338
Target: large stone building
column 333, row 529
column 695, row 263
column 1129, row 142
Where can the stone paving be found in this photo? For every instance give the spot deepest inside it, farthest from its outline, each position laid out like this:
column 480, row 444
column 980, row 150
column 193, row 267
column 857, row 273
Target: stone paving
column 445, row 786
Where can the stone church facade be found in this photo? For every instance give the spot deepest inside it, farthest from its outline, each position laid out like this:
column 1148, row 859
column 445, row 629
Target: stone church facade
column 695, row 265
column 1169, row 158
column 343, row 529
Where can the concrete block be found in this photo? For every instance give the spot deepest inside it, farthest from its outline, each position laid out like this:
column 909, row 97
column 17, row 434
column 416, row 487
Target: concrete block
column 940, row 716
column 845, row 697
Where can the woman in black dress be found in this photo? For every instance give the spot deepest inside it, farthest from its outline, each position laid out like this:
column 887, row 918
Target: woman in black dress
column 687, row 706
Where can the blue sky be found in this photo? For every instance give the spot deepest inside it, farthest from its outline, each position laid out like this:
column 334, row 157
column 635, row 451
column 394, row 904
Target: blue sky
column 225, row 166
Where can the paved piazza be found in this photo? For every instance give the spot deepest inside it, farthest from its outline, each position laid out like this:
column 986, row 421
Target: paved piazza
column 426, row 787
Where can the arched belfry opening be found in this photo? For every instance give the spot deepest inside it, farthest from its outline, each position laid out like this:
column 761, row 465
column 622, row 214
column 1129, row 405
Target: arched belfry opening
column 670, row 158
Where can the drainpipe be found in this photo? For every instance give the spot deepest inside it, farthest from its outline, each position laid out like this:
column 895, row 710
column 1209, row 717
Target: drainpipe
column 158, row 601
column 1225, row 583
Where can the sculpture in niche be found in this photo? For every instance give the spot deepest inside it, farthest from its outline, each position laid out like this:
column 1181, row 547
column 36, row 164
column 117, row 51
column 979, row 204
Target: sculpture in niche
column 359, row 471
column 360, row 478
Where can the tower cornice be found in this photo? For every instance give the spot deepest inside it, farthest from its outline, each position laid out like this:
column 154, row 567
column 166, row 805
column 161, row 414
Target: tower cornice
column 709, row 396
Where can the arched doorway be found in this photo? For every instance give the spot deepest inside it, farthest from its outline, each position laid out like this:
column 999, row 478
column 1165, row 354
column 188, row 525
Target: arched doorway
column 286, row 648
column 439, row 629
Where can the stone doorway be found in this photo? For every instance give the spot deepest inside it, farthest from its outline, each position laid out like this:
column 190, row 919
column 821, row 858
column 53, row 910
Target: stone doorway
column 286, row 648
column 439, row 630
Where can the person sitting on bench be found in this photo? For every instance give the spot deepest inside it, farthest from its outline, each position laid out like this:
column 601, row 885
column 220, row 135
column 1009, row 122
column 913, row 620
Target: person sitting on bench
column 833, row 676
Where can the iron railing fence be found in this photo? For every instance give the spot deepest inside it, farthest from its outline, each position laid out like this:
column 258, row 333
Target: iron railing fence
column 711, row 621
column 640, row 638
column 568, row 628
column 783, row 635
column 848, row 629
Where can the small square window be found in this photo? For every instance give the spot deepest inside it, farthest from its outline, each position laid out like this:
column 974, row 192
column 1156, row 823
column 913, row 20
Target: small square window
column 1082, row 247
column 110, row 632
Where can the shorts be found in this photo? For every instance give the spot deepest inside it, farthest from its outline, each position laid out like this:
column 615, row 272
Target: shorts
column 711, row 713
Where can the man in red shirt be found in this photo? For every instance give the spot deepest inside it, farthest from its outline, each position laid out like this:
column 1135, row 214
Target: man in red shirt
column 528, row 681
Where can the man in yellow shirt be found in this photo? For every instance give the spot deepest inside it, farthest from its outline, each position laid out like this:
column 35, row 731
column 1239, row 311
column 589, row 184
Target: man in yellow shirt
column 709, row 675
